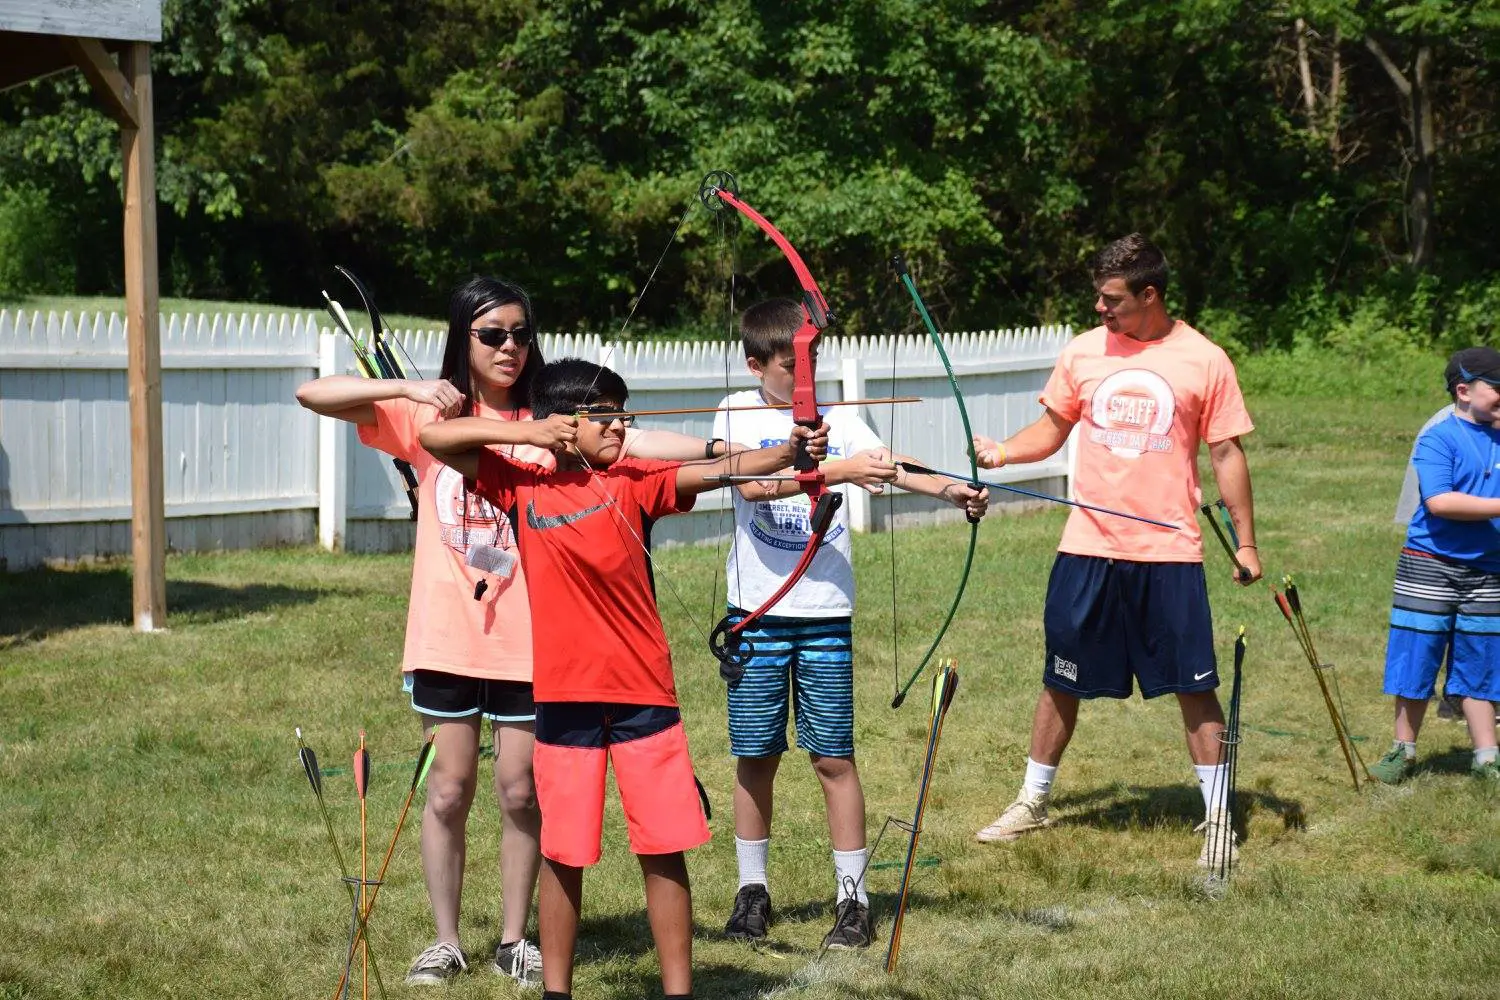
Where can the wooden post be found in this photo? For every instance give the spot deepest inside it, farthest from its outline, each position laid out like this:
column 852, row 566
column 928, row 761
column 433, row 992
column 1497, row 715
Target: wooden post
column 143, row 330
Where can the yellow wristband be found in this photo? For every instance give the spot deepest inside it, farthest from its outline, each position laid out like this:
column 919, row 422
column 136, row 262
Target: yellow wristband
column 1003, row 455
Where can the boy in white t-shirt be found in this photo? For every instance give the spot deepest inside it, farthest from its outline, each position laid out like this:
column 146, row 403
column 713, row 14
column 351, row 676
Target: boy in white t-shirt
column 804, row 647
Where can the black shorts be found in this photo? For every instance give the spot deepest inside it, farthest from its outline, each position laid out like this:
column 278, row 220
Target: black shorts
column 1111, row 620
column 450, row 696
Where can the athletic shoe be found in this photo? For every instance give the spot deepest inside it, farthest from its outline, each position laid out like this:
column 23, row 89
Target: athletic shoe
column 1394, row 768
column 520, row 960
column 851, row 926
column 1218, row 834
column 1019, row 818
column 751, row 916
column 436, row 965
column 1488, row 771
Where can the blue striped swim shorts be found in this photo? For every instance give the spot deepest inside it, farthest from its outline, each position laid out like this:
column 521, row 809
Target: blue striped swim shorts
column 807, row 663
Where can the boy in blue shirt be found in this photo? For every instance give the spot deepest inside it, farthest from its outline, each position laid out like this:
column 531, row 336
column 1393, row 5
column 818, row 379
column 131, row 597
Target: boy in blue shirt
column 1447, row 593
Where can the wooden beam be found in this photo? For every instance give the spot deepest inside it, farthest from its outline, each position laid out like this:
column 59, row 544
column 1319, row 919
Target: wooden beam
column 109, row 83
column 148, row 542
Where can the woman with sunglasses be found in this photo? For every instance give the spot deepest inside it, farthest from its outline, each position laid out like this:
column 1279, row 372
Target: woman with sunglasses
column 468, row 633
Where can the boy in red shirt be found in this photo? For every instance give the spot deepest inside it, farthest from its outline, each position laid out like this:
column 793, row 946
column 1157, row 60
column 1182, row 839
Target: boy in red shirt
column 603, row 683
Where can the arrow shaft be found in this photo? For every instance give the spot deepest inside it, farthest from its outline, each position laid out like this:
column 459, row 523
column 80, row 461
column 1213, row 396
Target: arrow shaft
column 923, row 470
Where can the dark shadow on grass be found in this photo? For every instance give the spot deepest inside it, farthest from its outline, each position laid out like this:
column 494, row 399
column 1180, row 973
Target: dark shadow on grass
column 1454, row 760
column 37, row 603
column 1127, row 807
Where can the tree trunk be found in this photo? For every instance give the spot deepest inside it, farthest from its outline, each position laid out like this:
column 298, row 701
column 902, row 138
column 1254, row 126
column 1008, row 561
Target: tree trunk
column 1420, row 207
column 1415, row 85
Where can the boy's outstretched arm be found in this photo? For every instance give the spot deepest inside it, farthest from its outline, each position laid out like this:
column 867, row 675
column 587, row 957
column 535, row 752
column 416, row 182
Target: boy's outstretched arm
column 1032, row 443
column 458, row 442
column 975, row 503
column 1463, row 507
column 700, row 477
column 670, row 446
column 1232, row 473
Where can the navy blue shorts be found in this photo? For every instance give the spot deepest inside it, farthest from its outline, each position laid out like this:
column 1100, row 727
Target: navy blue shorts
column 1111, row 620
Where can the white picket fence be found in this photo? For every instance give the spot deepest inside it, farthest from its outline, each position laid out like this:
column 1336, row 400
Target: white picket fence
column 246, row 466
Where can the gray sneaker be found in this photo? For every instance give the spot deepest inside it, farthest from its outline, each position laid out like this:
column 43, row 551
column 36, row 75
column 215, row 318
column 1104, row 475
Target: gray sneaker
column 751, row 916
column 520, row 960
column 851, row 926
column 436, row 965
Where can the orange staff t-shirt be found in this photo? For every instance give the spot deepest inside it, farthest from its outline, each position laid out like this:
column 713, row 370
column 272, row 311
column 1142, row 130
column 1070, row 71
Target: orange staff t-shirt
column 1141, row 410
column 446, row 629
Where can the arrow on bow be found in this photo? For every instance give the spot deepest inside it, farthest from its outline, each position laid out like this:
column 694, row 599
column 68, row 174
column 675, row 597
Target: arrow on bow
column 727, row 641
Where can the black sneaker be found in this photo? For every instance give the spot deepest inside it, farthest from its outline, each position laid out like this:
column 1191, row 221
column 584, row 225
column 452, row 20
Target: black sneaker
column 851, row 926
column 751, row 916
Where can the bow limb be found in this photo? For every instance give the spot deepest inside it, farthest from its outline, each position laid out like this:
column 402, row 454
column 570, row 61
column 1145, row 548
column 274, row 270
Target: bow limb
column 727, row 641
column 899, row 263
column 380, row 362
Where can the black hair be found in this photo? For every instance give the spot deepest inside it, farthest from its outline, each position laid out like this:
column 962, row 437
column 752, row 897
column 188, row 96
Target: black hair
column 470, row 300
column 1137, row 260
column 769, row 327
column 569, row 384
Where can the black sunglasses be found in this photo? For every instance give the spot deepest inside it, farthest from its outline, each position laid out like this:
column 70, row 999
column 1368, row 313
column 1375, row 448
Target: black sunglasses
column 494, row 336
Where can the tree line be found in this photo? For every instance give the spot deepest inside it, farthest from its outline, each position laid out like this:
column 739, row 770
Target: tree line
column 1315, row 170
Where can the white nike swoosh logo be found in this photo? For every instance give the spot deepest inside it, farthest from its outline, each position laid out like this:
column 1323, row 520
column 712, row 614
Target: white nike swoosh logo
column 541, row 522
column 1199, row 677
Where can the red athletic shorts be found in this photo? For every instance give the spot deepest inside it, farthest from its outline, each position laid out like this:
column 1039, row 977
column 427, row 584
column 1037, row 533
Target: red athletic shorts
column 648, row 748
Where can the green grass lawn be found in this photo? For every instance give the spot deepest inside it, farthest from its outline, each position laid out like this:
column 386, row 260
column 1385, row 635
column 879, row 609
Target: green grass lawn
column 159, row 838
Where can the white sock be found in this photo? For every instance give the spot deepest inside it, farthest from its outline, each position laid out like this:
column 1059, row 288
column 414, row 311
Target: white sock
column 1408, row 748
column 753, row 855
column 849, row 866
column 1038, row 783
column 1485, row 755
column 1213, row 782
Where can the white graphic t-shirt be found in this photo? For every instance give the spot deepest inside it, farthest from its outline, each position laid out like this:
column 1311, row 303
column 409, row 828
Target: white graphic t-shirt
column 770, row 536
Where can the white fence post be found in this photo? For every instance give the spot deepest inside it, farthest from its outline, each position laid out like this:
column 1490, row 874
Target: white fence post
column 856, row 497
column 333, row 467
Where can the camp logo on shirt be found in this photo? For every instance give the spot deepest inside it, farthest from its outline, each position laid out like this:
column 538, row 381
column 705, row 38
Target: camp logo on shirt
column 466, row 518
column 1131, row 413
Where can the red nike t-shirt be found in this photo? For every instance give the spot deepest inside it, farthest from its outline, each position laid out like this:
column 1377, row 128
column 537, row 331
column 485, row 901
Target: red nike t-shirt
column 596, row 633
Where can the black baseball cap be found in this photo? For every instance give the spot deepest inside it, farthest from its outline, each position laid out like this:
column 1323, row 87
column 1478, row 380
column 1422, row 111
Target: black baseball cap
column 1471, row 363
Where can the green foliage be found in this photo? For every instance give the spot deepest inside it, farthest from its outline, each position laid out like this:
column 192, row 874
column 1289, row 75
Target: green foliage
column 559, row 143
column 33, row 253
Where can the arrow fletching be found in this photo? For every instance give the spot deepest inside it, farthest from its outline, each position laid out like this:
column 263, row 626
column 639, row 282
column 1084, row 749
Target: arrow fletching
column 1291, row 596
column 309, row 764
column 361, row 767
column 424, row 760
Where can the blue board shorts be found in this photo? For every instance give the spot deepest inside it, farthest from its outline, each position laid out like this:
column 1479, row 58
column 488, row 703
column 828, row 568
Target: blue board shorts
column 1443, row 610
column 1113, row 621
column 803, row 663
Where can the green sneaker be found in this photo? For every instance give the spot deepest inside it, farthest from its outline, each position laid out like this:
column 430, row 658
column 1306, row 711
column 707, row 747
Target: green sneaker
column 1394, row 768
column 1488, row 771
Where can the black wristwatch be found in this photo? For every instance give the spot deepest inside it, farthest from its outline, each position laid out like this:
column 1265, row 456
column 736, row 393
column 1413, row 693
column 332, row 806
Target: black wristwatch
column 708, row 449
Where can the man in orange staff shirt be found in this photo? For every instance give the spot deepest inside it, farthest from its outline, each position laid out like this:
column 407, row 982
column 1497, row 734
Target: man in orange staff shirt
column 1128, row 601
